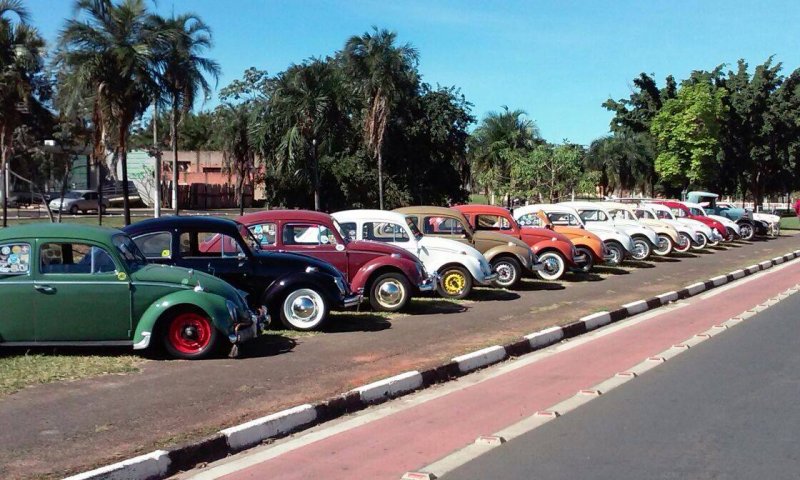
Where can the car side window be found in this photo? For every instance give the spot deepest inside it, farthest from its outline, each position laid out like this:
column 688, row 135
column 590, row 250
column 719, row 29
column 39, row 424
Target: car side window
column 155, row 245
column 442, row 225
column 593, row 216
column 307, row 234
column 208, row 244
column 644, row 214
column 531, row 220
column 492, row 222
column 385, row 232
column 264, row 233
column 74, row 258
column 15, row 259
column 350, row 229
column 678, row 212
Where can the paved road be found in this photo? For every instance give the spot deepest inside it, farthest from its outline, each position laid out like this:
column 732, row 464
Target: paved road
column 727, row 409
column 415, row 433
column 66, row 427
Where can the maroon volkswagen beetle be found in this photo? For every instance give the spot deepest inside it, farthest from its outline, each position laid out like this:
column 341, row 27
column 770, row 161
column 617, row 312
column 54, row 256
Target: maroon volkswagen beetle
column 389, row 276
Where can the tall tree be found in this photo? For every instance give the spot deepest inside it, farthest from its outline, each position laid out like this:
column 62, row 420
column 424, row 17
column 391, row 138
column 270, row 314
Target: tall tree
column 110, row 49
column 238, row 149
column 21, row 52
column 382, row 72
column 623, row 161
column 183, row 73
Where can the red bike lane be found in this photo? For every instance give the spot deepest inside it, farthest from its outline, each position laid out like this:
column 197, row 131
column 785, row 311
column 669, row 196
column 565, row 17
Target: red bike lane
column 413, row 437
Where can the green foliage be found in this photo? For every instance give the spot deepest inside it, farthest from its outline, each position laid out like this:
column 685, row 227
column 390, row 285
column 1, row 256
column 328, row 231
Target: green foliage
column 687, row 131
column 549, row 173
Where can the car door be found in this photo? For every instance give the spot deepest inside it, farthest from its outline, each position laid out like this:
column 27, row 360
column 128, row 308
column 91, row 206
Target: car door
column 16, row 292
column 218, row 254
column 318, row 241
column 445, row 227
column 81, row 293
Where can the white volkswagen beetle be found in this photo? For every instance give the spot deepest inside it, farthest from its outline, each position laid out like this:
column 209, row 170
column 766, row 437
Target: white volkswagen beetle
column 701, row 231
column 593, row 214
column 619, row 244
column 443, row 256
column 729, row 224
column 686, row 233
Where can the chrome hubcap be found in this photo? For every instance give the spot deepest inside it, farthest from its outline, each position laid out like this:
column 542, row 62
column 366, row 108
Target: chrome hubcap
column 304, row 308
column 639, row 250
column 390, row 293
column 504, row 272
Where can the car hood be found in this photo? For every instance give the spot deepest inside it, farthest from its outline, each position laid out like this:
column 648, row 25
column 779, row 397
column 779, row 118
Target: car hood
column 766, row 217
column 499, row 239
column 66, row 199
column 446, row 245
column 293, row 262
column 696, row 224
column 545, row 234
column 185, row 277
column 575, row 232
column 378, row 248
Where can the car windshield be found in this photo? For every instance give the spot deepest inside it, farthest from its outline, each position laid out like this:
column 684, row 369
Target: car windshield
column 249, row 238
column 413, row 226
column 130, row 253
column 620, row 214
column 697, row 211
column 341, row 231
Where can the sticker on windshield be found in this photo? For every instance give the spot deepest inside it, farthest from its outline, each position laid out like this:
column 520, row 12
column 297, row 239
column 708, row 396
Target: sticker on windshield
column 165, row 253
column 5, row 250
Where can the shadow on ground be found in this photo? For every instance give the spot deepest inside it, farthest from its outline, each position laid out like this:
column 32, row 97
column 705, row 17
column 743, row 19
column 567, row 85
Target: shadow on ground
column 664, row 260
column 432, row 305
column 638, row 264
column 683, row 255
column 577, row 277
column 492, row 294
column 267, row 346
column 357, row 322
column 605, row 270
column 533, row 285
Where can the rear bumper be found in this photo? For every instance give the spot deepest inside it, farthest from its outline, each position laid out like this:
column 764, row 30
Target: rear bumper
column 252, row 328
column 429, row 284
column 487, row 279
column 352, row 300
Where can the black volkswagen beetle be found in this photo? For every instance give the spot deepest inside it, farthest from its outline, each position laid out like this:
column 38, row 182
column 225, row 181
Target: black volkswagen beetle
column 298, row 289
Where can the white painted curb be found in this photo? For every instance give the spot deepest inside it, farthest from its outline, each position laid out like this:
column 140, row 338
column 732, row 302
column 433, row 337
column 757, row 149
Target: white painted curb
column 737, row 274
column 634, row 308
column 480, row 358
column 765, row 264
column 152, row 465
column 777, row 260
column 255, row 431
column 596, row 320
column 753, row 269
column 668, row 297
column 389, row 387
column 696, row 288
column 545, row 337
column 721, row 280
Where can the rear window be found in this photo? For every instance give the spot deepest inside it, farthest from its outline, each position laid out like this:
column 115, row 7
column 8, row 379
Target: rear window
column 15, row 258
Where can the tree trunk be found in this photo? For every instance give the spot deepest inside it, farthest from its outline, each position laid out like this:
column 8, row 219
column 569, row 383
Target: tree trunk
column 99, row 175
column 316, row 174
column 4, row 172
column 174, row 135
column 380, row 180
column 123, row 151
column 241, row 192
column 67, row 171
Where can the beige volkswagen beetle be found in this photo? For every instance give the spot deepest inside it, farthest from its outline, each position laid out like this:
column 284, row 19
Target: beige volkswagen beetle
column 668, row 236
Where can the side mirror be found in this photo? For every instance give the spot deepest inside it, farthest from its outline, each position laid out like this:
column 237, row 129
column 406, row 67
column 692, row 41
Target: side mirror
column 241, row 257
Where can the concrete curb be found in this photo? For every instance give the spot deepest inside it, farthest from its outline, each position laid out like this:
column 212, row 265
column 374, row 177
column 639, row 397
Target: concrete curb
column 161, row 463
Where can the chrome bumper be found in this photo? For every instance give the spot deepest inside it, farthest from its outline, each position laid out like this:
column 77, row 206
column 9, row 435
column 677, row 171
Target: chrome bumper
column 250, row 329
column 537, row 267
column 488, row 279
column 352, row 300
column 429, row 284
column 579, row 259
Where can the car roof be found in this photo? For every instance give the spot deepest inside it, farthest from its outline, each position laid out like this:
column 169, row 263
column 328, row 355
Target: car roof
column 59, row 230
column 703, row 194
column 476, row 208
column 372, row 214
column 585, row 205
column 617, row 205
column 180, row 221
column 692, row 205
column 429, row 210
column 546, row 207
column 285, row 214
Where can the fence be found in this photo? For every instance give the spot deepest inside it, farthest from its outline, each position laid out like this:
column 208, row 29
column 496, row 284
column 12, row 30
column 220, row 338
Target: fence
column 201, row 196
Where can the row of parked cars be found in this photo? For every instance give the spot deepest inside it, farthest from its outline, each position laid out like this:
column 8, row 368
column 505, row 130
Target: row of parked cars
column 193, row 284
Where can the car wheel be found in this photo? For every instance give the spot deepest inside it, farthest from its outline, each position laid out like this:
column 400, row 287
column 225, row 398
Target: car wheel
column 456, row 282
column 190, row 336
column 702, row 242
column 617, row 253
column 508, row 272
column 746, row 231
column 664, row 246
column 588, row 264
column 641, row 249
column 712, row 243
column 73, row 209
column 553, row 264
column 303, row 309
column 686, row 242
column 389, row 293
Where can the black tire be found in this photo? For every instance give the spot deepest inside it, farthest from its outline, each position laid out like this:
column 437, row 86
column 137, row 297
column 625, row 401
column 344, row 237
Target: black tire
column 389, row 292
column 712, row 243
column 701, row 243
column 508, row 270
column 189, row 335
column 589, row 263
column 641, row 248
column 455, row 282
column 554, row 265
column 746, row 231
column 665, row 245
column 687, row 242
column 303, row 309
column 73, row 210
column 617, row 251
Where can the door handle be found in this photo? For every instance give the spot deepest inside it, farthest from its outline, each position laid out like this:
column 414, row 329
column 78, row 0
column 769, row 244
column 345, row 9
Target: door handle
column 45, row 288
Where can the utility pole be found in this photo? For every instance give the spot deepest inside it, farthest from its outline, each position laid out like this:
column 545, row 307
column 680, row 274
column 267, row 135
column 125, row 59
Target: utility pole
column 4, row 172
column 157, row 155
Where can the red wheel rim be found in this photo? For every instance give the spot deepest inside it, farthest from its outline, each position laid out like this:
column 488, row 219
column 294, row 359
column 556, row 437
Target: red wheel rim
column 189, row 333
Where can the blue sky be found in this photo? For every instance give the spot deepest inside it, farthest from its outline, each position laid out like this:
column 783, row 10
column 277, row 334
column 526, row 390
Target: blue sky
column 557, row 60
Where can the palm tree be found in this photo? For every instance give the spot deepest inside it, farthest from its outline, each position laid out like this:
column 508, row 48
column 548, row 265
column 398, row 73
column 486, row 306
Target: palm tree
column 305, row 108
column 108, row 49
column 21, row 52
column 382, row 71
column 238, row 148
column 183, row 71
column 494, row 144
column 624, row 161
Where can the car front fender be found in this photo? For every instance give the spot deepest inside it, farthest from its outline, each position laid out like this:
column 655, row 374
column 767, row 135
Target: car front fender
column 565, row 249
column 366, row 272
column 322, row 282
column 520, row 253
column 213, row 305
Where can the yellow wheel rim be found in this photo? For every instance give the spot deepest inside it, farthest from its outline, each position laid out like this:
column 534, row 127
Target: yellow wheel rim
column 454, row 283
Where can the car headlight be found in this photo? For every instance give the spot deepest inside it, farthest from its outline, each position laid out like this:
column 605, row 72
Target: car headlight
column 233, row 312
column 340, row 285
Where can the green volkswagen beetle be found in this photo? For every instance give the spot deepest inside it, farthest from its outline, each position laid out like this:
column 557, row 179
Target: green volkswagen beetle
column 80, row 285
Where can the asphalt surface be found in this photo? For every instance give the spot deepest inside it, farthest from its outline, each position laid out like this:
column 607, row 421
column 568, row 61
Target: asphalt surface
column 726, row 409
column 52, row 430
